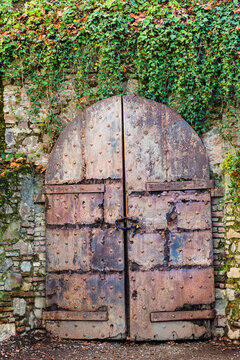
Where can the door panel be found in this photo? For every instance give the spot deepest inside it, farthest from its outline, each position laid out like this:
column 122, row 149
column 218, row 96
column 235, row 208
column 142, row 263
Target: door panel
column 91, row 293
column 170, row 257
column 85, row 283
column 129, row 156
column 74, row 208
column 167, row 291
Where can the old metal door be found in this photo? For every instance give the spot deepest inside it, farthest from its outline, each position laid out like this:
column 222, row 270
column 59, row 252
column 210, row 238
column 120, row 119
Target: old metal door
column 170, row 258
column 132, row 157
column 85, row 253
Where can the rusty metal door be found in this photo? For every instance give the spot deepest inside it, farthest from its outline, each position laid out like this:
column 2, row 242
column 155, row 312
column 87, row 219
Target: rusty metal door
column 171, row 285
column 129, row 158
column 85, row 291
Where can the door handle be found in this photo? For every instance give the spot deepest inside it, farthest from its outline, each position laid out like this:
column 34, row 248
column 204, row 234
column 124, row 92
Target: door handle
column 125, row 219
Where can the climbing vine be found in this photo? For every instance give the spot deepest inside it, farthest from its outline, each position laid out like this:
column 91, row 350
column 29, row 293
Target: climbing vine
column 232, row 168
column 184, row 53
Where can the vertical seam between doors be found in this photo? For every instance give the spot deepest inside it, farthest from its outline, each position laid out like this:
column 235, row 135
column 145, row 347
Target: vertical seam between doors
column 125, row 237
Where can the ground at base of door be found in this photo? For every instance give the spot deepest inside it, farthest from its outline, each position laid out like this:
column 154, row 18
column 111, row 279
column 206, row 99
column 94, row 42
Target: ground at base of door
column 38, row 346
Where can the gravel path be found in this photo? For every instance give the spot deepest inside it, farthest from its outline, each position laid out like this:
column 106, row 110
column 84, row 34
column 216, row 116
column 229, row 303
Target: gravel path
column 37, row 346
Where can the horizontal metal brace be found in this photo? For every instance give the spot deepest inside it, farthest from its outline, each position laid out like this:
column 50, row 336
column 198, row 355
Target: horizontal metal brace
column 39, row 198
column 180, row 185
column 74, row 189
column 76, row 315
column 181, row 315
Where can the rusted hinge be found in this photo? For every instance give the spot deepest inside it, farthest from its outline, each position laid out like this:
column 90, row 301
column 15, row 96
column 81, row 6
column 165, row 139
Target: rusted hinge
column 181, row 315
column 39, row 198
column 180, row 185
column 217, row 192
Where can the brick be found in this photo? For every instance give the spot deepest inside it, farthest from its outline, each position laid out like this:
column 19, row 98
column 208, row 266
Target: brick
column 216, row 235
column 217, row 213
column 217, row 224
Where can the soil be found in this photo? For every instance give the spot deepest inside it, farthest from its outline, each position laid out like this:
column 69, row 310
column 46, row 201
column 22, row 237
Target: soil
column 38, row 346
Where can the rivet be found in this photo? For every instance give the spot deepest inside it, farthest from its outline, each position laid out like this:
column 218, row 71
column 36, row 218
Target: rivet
column 190, row 275
column 172, row 297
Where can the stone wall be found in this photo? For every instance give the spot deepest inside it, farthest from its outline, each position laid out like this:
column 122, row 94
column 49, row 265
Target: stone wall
column 22, row 242
column 22, row 254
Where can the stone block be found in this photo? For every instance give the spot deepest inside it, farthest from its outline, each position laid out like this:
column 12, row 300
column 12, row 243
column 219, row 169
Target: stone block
column 12, row 231
column 26, row 286
column 9, row 137
column 222, row 321
column 24, row 210
column 220, row 294
column 24, row 247
column 230, row 293
column 234, row 334
column 221, row 307
column 233, row 234
column 13, row 281
column 6, row 265
column 218, row 332
column 19, row 306
column 234, row 273
column 6, row 331
column 39, row 302
column 26, row 266
column 38, row 313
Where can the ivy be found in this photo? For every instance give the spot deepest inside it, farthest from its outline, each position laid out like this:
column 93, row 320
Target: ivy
column 232, row 168
column 183, row 53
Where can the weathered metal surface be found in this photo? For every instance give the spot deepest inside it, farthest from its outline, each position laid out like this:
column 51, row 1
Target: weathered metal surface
column 87, row 292
column 181, row 315
column 74, row 208
column 154, row 291
column 88, row 329
column 175, row 330
column 170, row 255
column 76, row 315
column 66, row 163
column 113, row 202
column 160, row 141
column 74, row 189
column 68, row 249
column 190, row 248
column 192, row 211
column 90, row 146
column 146, row 250
column 107, row 250
column 180, row 185
column 143, row 142
column 217, row 192
column 103, row 136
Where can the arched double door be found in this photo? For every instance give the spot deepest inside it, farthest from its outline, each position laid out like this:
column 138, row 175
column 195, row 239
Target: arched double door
column 130, row 157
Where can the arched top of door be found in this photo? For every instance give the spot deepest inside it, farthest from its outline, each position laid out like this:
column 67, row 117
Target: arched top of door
column 91, row 146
